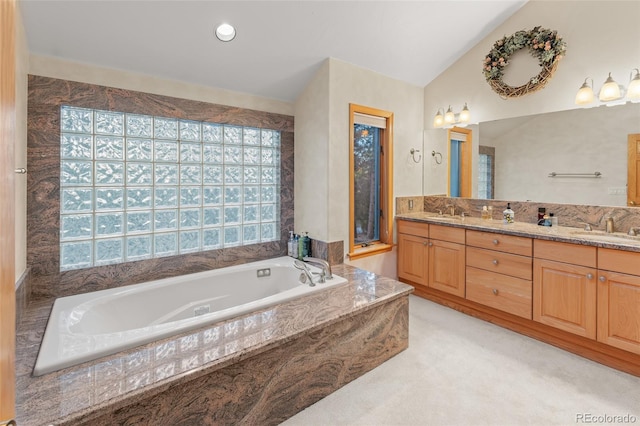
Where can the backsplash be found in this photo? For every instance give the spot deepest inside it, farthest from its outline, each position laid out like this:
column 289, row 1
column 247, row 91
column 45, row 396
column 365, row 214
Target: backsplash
column 571, row 215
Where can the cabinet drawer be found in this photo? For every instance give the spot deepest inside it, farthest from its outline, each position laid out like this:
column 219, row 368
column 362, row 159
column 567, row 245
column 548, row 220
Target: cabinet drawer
column 413, row 228
column 565, row 252
column 627, row 262
column 498, row 291
column 506, row 243
column 502, row 263
column 446, row 233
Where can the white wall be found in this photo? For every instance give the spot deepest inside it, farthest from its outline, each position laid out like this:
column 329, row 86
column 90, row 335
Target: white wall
column 601, row 37
column 311, row 158
column 20, row 149
column 328, row 157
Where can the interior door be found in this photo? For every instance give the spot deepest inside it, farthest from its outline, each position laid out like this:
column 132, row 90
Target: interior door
column 7, row 247
column 633, row 171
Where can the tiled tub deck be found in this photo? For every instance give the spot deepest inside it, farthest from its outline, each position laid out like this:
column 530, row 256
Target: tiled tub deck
column 260, row 368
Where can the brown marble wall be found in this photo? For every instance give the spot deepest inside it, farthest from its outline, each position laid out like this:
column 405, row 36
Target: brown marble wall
column 403, row 204
column 568, row 214
column 46, row 95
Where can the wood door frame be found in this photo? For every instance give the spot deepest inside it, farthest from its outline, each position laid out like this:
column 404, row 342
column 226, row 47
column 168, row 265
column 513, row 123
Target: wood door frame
column 633, row 170
column 466, row 162
column 7, row 212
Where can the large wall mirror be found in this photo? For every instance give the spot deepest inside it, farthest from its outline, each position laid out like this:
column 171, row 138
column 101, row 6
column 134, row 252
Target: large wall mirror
column 572, row 144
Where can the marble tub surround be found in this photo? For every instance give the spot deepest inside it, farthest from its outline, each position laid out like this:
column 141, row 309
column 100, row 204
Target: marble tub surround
column 553, row 233
column 45, row 97
column 569, row 215
column 260, row 368
column 332, row 252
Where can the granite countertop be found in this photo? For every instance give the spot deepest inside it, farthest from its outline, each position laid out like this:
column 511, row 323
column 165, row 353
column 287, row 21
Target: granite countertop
column 617, row 240
column 118, row 380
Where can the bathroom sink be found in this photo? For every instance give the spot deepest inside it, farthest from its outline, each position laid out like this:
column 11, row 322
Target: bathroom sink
column 605, row 237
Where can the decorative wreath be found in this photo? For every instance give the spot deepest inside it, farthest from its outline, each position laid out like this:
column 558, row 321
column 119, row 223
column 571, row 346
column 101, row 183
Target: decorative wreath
column 543, row 44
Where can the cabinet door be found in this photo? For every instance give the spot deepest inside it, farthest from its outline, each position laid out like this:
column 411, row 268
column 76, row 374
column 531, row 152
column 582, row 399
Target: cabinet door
column 447, row 267
column 412, row 258
column 564, row 296
column 619, row 310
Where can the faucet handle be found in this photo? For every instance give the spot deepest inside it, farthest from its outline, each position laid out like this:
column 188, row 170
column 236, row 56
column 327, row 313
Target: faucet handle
column 587, row 226
column 633, row 231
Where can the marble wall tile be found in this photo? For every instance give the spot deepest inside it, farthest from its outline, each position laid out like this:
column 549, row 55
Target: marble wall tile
column 46, row 95
column 568, row 214
column 332, row 252
column 403, row 205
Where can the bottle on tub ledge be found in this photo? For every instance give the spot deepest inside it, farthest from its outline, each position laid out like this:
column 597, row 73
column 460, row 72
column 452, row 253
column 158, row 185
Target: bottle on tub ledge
column 507, row 215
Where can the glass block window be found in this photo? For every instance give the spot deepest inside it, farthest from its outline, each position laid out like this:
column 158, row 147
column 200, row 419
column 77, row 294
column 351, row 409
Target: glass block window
column 136, row 187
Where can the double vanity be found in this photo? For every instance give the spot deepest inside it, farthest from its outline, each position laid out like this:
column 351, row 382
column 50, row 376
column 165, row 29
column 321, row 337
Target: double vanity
column 576, row 289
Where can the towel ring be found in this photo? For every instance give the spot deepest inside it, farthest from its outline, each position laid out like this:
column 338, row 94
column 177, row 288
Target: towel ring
column 435, row 156
column 413, row 155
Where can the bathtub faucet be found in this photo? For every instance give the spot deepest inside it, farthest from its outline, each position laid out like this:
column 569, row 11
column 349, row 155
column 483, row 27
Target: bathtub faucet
column 321, row 263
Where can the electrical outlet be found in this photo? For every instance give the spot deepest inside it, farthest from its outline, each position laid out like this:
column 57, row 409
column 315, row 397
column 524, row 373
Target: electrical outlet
column 410, row 204
column 617, row 191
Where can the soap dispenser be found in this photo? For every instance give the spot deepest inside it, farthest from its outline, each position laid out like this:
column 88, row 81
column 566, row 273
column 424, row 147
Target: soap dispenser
column 508, row 215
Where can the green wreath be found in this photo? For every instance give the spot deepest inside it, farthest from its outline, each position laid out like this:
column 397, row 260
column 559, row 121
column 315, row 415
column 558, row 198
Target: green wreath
column 543, row 44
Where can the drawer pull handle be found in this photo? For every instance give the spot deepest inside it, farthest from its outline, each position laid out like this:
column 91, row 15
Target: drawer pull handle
column 495, row 261
column 589, row 276
column 495, row 291
column 603, row 278
column 496, row 242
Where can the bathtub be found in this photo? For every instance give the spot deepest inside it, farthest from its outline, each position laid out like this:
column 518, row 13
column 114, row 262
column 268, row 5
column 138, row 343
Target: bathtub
column 88, row 326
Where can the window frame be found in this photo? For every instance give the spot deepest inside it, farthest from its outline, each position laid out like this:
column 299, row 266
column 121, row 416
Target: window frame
column 385, row 242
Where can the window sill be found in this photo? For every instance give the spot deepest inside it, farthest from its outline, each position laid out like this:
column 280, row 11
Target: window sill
column 369, row 251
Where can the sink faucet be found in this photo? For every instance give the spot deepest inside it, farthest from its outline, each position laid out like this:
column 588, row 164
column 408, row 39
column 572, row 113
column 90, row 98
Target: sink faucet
column 610, row 226
column 453, row 209
column 305, row 272
column 323, row 264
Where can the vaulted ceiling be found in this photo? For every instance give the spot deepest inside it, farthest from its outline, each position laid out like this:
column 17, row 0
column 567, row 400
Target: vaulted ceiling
column 279, row 44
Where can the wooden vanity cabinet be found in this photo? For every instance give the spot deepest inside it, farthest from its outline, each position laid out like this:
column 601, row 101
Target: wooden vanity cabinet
column 564, row 286
column 498, row 272
column 447, row 259
column 619, row 299
column 413, row 254
column 431, row 256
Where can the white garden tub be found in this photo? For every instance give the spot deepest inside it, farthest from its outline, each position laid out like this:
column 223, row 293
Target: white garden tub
column 91, row 325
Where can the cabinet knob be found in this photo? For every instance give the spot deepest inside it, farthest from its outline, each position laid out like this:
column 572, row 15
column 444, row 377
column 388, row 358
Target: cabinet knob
column 495, row 291
column 425, row 243
column 430, row 244
column 602, row 278
column 589, row 276
column 496, row 241
column 495, row 261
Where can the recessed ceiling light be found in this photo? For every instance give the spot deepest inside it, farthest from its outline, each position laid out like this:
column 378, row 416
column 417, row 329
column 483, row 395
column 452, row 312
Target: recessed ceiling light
column 225, row 32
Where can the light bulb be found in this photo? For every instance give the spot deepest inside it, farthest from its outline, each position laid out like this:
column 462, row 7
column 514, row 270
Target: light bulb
column 633, row 92
column 610, row 91
column 585, row 94
column 438, row 120
column 465, row 115
column 449, row 116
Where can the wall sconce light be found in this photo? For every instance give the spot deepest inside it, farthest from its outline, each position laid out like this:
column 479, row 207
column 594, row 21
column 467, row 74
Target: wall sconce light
column 610, row 90
column 450, row 119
